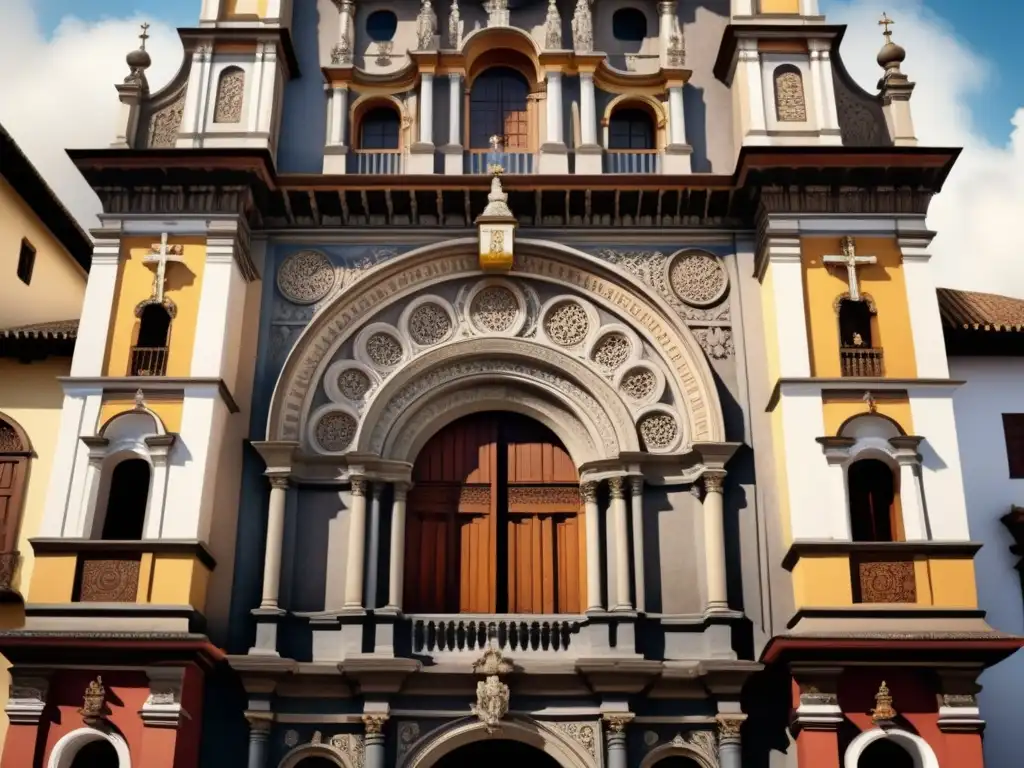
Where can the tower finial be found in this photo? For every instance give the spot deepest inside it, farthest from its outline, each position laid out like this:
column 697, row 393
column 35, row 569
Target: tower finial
column 886, row 22
column 139, row 60
column 144, row 36
column 891, row 55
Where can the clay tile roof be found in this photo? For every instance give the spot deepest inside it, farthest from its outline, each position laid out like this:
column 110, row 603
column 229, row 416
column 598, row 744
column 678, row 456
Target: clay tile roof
column 59, row 331
column 972, row 311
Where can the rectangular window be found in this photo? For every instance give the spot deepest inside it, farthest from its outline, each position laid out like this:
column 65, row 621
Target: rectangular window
column 26, row 262
column 1013, row 427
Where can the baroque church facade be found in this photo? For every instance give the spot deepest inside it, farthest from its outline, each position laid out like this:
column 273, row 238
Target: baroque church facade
column 558, row 382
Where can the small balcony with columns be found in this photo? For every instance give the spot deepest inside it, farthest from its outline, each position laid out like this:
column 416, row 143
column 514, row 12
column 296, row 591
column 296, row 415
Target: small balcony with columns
column 372, row 619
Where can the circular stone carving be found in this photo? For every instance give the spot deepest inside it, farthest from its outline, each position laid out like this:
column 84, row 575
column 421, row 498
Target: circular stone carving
column 639, row 384
column 354, row 384
column 658, row 431
column 429, row 324
column 306, row 277
column 335, row 431
column 494, row 309
column 567, row 324
column 612, row 351
column 384, row 350
column 698, row 278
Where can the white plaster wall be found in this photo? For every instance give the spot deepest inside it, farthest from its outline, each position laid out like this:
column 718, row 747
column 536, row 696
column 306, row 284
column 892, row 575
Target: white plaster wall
column 994, row 386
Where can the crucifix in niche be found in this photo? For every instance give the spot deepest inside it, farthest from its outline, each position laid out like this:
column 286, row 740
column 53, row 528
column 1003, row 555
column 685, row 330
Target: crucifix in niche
column 159, row 254
column 851, row 261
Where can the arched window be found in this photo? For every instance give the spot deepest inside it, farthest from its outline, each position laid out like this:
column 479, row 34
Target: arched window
column 790, row 106
column 629, row 25
column 855, row 324
column 96, row 754
column 873, row 512
column 149, row 356
column 127, row 501
column 14, row 455
column 379, row 129
column 230, row 94
column 497, row 106
column 381, row 26
column 885, row 753
column 630, row 129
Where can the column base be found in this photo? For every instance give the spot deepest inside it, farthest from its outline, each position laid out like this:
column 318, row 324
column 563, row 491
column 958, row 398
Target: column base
column 554, row 158
column 335, row 159
column 267, row 620
column 589, row 159
column 454, row 164
column 421, row 158
column 677, row 159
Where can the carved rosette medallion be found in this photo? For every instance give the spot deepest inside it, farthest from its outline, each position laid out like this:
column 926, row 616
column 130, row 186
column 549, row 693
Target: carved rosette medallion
column 494, row 309
column 639, row 384
column 354, row 384
column 612, row 351
column 887, row 582
column 109, row 580
column 335, row 431
column 567, row 324
column 429, row 324
column 306, row 277
column 658, row 431
column 698, row 278
column 384, row 350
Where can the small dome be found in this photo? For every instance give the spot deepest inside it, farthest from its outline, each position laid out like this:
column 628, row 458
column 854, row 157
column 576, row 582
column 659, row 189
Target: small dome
column 139, row 59
column 891, row 55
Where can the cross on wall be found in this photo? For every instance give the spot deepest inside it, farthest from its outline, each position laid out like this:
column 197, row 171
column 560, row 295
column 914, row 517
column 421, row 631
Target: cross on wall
column 161, row 253
column 851, row 261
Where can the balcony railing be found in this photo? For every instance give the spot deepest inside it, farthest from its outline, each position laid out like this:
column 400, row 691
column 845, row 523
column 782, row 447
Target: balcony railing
column 632, row 161
column 858, row 361
column 377, row 161
column 881, row 579
column 148, row 361
column 480, row 161
column 524, row 634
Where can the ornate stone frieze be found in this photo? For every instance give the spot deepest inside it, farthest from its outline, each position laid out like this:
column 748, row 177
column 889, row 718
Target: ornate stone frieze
column 335, row 431
column 543, row 494
column 494, row 309
column 384, row 349
column 567, row 324
column 659, row 431
column 790, row 106
column 698, row 278
column 612, row 350
column 475, row 494
column 230, row 96
column 429, row 324
column 716, row 342
column 828, row 199
column 165, row 123
column 492, row 695
column 583, row 733
column 306, row 277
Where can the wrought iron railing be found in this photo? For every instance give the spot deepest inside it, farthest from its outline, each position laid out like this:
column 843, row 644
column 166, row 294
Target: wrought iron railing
column 632, row 161
column 377, row 161
column 513, row 634
column 481, row 160
column 148, row 361
column 860, row 361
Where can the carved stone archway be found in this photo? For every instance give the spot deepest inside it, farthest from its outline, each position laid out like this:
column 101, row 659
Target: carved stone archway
column 657, row 347
column 569, row 752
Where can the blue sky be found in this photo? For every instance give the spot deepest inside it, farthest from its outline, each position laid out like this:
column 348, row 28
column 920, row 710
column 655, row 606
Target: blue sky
column 990, row 27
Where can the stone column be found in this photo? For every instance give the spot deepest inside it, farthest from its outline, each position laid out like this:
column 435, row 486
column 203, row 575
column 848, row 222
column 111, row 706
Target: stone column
column 259, row 732
column 912, row 501
column 554, row 107
column 373, row 547
column 636, row 485
column 676, row 116
column 275, row 540
column 356, row 545
column 588, row 490
column 588, row 109
column 666, row 26
column 426, row 108
column 374, row 755
column 396, row 561
column 616, row 738
column 714, row 540
column 453, row 149
column 730, row 749
column 336, row 150
column 617, row 509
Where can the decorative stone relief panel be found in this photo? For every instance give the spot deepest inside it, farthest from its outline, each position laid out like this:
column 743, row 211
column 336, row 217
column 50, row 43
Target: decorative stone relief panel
column 332, row 430
column 640, row 383
column 659, row 429
column 698, row 278
column 381, row 347
column 497, row 307
column 306, row 277
column 428, row 320
column 350, row 382
column 165, row 123
column 790, row 105
column 230, row 96
column 566, row 323
column 583, row 733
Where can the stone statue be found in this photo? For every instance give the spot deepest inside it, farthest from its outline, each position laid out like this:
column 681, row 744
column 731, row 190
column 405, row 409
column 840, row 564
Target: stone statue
column 492, row 695
column 455, row 26
column 497, row 13
column 426, row 27
column 582, row 28
column 553, row 28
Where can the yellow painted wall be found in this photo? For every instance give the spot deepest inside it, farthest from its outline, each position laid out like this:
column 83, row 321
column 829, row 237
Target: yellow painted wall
column 53, row 579
column 822, row 581
column 167, row 407
column 779, row 6
column 883, row 281
column 135, row 284
column 950, row 583
column 837, row 409
column 57, row 287
column 244, row 8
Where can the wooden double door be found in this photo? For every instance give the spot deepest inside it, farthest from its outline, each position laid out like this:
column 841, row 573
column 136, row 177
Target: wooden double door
column 494, row 521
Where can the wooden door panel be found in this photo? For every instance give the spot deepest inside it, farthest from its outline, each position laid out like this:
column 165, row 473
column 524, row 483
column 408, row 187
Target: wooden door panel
column 12, row 477
column 477, row 593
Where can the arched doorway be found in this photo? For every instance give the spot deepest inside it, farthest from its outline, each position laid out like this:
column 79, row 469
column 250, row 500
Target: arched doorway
column 497, row 753
column 96, row 754
column 494, row 521
column 885, row 753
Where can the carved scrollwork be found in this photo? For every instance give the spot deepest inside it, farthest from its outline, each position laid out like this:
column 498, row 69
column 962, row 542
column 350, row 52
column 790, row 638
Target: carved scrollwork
column 658, row 430
column 306, row 277
column 494, row 309
column 584, row 734
column 109, row 580
column 887, row 582
column 716, row 342
column 698, row 278
column 567, row 324
column 10, row 442
column 544, row 494
column 334, row 431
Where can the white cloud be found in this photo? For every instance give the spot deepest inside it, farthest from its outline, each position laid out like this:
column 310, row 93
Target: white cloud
column 980, row 242
column 59, row 93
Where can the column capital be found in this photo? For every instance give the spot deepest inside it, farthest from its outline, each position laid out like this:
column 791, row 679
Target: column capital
column 588, row 490
column 358, row 485
column 729, row 727
column 616, row 722
column 713, row 480
column 616, row 486
column 279, row 481
column 401, row 490
column 374, row 724
column 27, row 697
column 259, row 724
